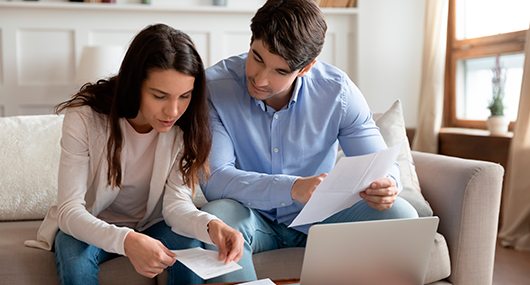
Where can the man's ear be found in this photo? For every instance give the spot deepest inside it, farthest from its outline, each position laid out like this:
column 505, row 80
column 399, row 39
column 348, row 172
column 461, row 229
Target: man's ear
column 306, row 69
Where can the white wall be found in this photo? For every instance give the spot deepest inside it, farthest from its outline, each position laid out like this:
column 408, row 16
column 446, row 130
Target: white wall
column 41, row 43
column 179, row 3
column 390, row 54
column 380, row 47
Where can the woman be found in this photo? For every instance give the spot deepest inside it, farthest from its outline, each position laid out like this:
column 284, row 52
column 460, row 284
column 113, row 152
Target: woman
column 133, row 148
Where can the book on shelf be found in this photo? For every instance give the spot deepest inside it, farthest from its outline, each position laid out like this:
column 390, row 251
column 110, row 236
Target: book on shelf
column 336, row 3
column 98, row 1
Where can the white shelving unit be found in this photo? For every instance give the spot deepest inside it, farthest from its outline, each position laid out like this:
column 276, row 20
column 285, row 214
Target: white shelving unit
column 41, row 42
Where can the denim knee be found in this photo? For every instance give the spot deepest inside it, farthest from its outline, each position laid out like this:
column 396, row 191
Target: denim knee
column 229, row 211
column 402, row 209
column 173, row 241
column 76, row 261
column 361, row 211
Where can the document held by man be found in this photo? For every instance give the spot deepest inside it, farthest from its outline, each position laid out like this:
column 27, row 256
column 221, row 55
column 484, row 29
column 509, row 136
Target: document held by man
column 266, row 281
column 205, row 263
column 341, row 188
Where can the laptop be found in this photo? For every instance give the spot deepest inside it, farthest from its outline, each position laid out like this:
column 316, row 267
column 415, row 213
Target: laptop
column 380, row 252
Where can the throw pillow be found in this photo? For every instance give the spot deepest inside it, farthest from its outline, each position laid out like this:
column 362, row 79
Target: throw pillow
column 392, row 127
column 29, row 163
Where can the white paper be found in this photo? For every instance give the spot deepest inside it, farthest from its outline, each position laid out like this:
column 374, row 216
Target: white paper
column 259, row 282
column 341, row 188
column 205, row 263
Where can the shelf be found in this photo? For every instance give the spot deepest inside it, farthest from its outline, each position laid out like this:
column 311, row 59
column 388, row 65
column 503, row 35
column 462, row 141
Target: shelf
column 41, row 41
column 473, row 132
column 152, row 8
column 475, row 144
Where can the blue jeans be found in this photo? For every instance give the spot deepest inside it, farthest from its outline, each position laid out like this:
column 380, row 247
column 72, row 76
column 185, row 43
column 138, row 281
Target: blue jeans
column 262, row 234
column 78, row 262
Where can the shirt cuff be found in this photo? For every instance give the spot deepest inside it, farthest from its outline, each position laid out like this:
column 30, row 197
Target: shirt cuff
column 124, row 233
column 205, row 235
column 281, row 190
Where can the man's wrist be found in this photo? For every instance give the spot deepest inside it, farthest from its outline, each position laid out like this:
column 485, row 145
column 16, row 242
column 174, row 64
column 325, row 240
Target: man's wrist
column 291, row 197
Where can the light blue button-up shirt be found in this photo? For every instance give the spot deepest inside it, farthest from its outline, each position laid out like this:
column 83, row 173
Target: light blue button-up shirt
column 259, row 152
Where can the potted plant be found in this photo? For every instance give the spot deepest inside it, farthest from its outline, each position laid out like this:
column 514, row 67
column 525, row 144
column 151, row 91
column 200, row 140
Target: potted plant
column 497, row 122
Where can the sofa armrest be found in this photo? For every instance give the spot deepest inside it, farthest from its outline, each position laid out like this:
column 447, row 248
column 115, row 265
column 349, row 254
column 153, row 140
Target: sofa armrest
column 465, row 194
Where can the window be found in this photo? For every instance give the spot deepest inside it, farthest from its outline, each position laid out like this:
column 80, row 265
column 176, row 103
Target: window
column 478, row 32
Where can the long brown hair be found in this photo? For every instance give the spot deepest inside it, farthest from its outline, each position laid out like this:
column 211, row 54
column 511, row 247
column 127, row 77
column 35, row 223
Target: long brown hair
column 157, row 47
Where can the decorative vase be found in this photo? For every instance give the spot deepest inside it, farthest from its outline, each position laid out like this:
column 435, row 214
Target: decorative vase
column 498, row 124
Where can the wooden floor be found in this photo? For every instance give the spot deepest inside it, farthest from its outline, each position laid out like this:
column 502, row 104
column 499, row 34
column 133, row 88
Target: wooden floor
column 511, row 267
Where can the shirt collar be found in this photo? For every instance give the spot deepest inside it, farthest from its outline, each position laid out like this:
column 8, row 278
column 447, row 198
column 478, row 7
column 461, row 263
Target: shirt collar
column 294, row 97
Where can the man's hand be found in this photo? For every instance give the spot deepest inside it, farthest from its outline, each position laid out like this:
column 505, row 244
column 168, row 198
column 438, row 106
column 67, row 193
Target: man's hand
column 228, row 241
column 304, row 187
column 148, row 255
column 381, row 194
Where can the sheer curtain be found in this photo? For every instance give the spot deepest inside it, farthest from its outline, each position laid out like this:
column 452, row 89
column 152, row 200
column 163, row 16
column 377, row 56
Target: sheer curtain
column 515, row 230
column 430, row 106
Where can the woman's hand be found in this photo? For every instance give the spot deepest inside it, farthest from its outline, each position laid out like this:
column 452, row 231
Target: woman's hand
column 228, row 241
column 148, row 255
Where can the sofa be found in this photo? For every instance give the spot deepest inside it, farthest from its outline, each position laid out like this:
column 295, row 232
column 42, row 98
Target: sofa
column 464, row 194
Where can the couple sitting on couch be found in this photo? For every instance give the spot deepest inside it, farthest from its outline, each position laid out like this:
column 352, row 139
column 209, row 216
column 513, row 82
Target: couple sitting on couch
column 274, row 120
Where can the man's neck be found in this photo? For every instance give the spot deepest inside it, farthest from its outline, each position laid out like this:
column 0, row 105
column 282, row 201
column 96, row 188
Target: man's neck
column 279, row 101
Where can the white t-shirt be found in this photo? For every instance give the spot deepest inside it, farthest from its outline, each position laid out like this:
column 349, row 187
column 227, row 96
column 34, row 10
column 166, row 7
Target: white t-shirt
column 130, row 205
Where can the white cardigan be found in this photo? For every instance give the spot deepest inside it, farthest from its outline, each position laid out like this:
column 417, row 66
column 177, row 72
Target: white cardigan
column 83, row 192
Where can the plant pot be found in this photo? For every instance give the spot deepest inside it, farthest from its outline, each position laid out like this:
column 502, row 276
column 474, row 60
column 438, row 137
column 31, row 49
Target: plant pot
column 498, row 124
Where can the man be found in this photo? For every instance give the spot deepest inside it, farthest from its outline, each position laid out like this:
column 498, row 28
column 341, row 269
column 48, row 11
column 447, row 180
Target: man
column 278, row 115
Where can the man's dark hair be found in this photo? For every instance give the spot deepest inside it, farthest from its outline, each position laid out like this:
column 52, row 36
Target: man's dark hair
column 292, row 29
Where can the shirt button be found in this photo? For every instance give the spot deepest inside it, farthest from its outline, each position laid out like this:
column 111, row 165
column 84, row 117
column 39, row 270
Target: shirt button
column 276, row 116
column 249, row 203
column 276, row 150
column 283, row 204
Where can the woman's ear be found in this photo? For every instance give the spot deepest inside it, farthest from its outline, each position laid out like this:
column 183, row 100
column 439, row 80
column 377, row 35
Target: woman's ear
column 306, row 69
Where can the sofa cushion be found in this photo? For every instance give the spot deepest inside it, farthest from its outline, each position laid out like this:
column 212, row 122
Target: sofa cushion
column 20, row 264
column 440, row 263
column 282, row 263
column 25, row 265
column 29, row 151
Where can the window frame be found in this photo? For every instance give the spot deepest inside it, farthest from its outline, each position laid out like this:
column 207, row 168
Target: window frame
column 466, row 49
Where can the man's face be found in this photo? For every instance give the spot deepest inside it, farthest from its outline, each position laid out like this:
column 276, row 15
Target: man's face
column 269, row 77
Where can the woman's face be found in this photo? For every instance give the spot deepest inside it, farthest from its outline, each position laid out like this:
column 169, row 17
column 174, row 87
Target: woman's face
column 165, row 96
